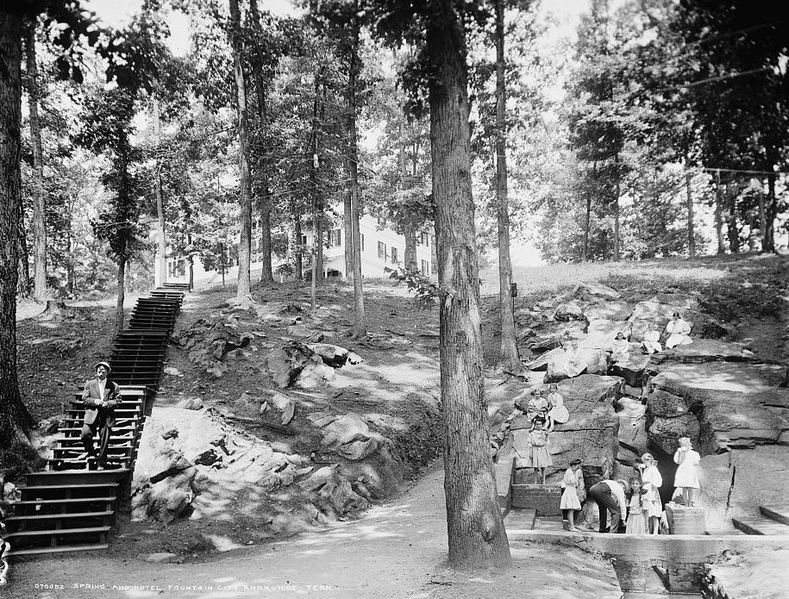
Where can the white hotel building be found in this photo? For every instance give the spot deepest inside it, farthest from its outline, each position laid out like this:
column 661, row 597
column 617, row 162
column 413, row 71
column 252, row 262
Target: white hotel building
column 381, row 248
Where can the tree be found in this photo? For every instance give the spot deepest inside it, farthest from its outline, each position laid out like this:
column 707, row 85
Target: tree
column 15, row 421
column 39, row 209
column 475, row 528
column 245, row 198
column 510, row 360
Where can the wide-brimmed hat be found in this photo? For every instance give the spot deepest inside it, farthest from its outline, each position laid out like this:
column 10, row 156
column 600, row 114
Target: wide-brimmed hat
column 105, row 364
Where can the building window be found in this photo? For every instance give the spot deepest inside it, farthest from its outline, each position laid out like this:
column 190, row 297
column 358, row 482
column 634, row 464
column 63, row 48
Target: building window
column 425, row 268
column 381, row 250
column 335, row 237
column 394, row 256
column 303, row 240
column 361, row 243
column 424, row 239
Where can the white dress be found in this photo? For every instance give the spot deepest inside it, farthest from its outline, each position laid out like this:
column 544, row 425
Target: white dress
column 620, row 350
column 570, row 500
column 558, row 411
column 687, row 474
column 678, row 333
column 652, row 342
column 652, row 481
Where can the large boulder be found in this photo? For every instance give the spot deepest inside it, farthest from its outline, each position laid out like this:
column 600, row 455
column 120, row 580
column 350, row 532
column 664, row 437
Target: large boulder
column 314, row 374
column 350, row 437
column 592, row 430
column 609, row 310
column 708, row 350
column 541, row 363
column 632, row 432
column 569, row 311
column 333, row 493
column 549, row 334
column 664, row 433
column 738, row 482
column 633, row 370
column 732, row 400
column 602, row 331
column 286, row 363
column 595, row 292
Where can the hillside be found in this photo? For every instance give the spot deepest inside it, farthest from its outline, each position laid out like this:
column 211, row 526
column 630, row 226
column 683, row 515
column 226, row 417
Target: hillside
column 357, row 433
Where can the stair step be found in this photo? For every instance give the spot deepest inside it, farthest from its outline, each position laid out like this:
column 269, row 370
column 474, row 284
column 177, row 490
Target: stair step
column 75, row 477
column 759, row 525
column 73, row 500
column 56, row 532
column 81, row 486
column 777, row 512
column 66, row 516
column 46, row 550
column 520, row 519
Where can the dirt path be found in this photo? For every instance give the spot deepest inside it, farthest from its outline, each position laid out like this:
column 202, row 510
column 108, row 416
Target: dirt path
column 395, row 551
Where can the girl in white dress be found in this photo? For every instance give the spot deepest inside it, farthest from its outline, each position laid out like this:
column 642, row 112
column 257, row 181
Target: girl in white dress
column 572, row 491
column 637, row 515
column 651, row 342
column 558, row 412
column 651, row 481
column 678, row 331
column 687, row 478
column 539, row 458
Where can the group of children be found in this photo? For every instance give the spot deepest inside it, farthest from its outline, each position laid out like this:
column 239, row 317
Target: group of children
column 544, row 413
column 677, row 333
column 644, row 505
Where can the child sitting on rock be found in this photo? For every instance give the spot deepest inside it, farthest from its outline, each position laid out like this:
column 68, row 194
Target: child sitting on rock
column 538, row 406
column 558, row 412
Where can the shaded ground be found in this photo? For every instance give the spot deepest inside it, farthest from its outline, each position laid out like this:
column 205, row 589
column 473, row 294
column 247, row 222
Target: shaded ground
column 395, row 551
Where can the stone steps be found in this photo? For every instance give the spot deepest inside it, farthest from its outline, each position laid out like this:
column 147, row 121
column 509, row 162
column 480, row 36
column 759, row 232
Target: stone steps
column 779, row 513
column 760, row 525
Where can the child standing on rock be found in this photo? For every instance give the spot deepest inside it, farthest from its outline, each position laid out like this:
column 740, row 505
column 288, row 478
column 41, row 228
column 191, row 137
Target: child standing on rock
column 573, row 487
column 686, row 478
column 637, row 516
column 539, row 458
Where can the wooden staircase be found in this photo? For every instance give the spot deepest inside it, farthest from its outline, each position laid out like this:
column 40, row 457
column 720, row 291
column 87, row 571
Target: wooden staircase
column 71, row 506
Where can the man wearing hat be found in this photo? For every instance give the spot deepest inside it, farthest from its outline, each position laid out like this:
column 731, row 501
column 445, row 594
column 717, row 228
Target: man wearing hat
column 101, row 398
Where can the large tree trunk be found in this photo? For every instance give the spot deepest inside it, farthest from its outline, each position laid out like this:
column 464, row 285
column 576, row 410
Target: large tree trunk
column 39, row 210
column 409, row 255
column 316, row 230
column 474, row 523
column 691, row 228
column 23, row 284
column 347, row 225
column 770, row 212
column 245, row 214
column 359, row 328
column 15, row 420
column 617, row 238
column 588, row 219
column 266, row 273
column 718, row 215
column 731, row 222
column 510, row 360
column 121, row 294
column 161, row 245
column 299, row 248
column 71, row 283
